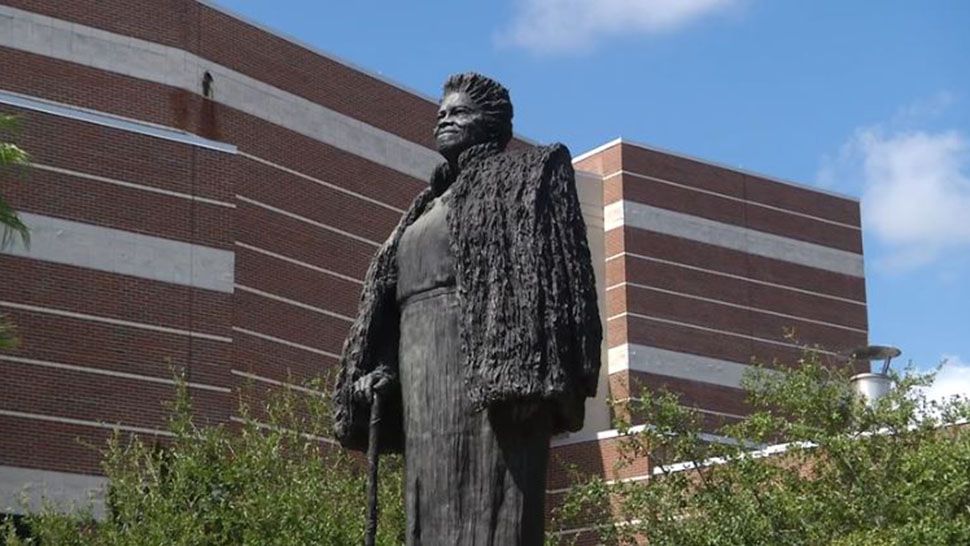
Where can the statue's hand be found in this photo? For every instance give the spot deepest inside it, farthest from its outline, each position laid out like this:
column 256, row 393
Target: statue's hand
column 375, row 382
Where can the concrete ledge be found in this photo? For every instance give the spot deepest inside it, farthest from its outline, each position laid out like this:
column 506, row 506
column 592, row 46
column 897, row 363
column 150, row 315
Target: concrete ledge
column 25, row 490
column 113, row 121
column 641, row 358
column 117, row 251
column 637, row 215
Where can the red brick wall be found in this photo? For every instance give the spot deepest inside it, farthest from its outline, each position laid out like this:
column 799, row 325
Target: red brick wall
column 341, row 196
column 704, row 300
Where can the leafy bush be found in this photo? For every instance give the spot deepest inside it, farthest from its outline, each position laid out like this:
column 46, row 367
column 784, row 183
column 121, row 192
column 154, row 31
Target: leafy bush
column 840, row 472
column 273, row 481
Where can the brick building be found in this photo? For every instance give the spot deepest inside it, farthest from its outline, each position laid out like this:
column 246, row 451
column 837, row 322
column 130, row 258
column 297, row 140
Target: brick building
column 228, row 235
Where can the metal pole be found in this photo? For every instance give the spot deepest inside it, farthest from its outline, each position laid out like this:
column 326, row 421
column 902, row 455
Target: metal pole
column 372, row 461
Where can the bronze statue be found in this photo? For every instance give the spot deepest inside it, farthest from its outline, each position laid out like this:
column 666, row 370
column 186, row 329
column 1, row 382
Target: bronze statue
column 478, row 325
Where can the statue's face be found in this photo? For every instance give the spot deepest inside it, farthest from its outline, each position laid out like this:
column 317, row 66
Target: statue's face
column 461, row 124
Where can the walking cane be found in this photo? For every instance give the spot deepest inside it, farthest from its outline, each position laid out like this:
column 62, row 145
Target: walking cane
column 372, row 461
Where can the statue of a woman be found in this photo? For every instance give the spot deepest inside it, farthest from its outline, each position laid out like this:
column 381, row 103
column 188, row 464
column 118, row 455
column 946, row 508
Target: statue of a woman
column 478, row 326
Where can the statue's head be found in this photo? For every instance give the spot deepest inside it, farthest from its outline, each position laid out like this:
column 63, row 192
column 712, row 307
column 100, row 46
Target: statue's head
column 473, row 110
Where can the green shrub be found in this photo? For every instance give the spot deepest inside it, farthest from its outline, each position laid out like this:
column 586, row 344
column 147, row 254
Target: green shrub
column 894, row 474
column 272, row 481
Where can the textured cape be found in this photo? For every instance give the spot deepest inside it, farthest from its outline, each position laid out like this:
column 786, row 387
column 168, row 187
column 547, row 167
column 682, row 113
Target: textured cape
column 529, row 324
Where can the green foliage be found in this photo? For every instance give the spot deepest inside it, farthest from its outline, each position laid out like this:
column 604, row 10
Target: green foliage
column 11, row 157
column 269, row 482
column 839, row 473
column 8, row 337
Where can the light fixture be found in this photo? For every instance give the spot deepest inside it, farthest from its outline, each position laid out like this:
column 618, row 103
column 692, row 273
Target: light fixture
column 873, row 385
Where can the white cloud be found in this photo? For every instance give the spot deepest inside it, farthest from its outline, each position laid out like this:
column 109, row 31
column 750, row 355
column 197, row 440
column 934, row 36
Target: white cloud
column 916, row 185
column 953, row 379
column 551, row 26
column 918, row 192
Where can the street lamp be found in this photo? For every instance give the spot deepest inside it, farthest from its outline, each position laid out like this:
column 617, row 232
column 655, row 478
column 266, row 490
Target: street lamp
column 873, row 385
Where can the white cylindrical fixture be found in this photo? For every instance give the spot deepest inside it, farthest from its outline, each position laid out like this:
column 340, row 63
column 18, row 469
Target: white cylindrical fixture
column 872, row 386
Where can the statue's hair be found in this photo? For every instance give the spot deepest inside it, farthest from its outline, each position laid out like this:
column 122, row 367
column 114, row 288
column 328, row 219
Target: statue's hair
column 491, row 97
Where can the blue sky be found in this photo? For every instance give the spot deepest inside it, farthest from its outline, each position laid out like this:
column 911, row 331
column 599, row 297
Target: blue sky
column 870, row 99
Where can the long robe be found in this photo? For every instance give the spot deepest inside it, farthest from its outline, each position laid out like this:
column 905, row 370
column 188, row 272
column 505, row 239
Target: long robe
column 473, row 478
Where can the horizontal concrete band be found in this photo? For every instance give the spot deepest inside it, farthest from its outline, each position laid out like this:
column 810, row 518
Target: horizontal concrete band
column 108, row 373
column 89, row 343
column 123, row 252
column 96, row 424
column 82, row 198
column 729, row 209
column 627, row 213
column 324, row 183
column 615, row 434
column 74, row 396
column 248, row 376
column 299, row 263
column 279, row 361
column 294, row 303
column 310, row 221
column 131, row 185
column 287, row 343
column 679, row 335
column 108, row 120
column 281, row 233
column 637, row 269
column 65, row 491
column 631, row 356
column 67, row 41
column 641, row 250
column 267, row 426
column 281, row 319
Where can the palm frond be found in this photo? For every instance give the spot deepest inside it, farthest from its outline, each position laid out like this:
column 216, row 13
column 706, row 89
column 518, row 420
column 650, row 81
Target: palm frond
column 11, row 226
column 11, row 155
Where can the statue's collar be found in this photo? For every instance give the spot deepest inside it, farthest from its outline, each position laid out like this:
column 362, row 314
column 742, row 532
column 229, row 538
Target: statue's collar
column 445, row 174
column 477, row 153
